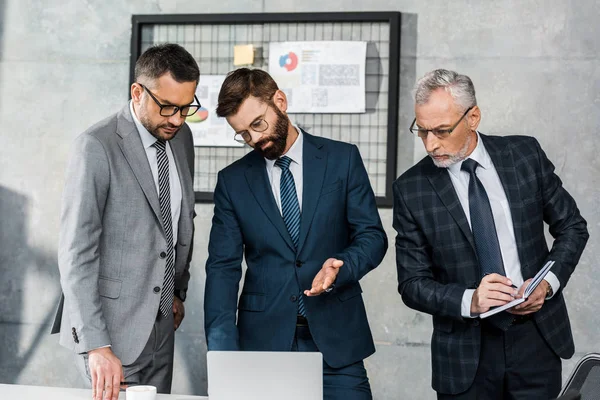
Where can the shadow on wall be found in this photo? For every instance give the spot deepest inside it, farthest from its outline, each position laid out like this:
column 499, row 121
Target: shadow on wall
column 26, row 274
column 2, row 24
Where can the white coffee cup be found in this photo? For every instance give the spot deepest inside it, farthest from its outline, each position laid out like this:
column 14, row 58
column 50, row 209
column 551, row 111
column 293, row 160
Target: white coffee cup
column 140, row 392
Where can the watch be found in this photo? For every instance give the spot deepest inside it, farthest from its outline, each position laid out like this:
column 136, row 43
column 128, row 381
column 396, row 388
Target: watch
column 549, row 291
column 181, row 294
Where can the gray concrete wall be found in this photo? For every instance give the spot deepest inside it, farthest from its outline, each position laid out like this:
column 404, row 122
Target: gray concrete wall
column 64, row 65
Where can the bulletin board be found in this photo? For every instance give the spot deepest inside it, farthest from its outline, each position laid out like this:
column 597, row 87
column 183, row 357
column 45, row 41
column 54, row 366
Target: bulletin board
column 211, row 38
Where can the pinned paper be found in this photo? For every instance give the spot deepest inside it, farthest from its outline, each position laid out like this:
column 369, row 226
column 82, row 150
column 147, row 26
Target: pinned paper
column 243, row 54
column 320, row 76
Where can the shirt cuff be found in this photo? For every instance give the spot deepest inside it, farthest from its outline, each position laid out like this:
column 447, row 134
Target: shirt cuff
column 101, row 347
column 554, row 283
column 465, row 307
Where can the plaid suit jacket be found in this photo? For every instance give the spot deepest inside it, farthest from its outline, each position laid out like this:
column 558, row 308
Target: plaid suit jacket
column 436, row 258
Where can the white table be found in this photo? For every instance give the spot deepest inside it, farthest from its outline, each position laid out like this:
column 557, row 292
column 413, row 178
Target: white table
column 25, row 392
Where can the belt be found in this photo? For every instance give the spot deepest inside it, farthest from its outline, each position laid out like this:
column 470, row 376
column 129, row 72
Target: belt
column 301, row 321
column 521, row 319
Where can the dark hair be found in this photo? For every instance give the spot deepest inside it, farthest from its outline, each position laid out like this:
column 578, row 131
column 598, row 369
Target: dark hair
column 241, row 84
column 167, row 57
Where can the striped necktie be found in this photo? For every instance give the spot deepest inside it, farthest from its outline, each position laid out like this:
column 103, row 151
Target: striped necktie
column 290, row 210
column 166, row 298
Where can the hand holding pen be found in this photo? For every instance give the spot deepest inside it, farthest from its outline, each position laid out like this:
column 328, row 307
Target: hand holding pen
column 494, row 290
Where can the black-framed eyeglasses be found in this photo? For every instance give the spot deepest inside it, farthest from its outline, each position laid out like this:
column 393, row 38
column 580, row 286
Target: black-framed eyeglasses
column 168, row 110
column 258, row 125
column 439, row 133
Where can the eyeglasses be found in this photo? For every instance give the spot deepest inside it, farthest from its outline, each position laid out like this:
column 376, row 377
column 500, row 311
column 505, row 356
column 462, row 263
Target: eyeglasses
column 168, row 110
column 258, row 125
column 439, row 133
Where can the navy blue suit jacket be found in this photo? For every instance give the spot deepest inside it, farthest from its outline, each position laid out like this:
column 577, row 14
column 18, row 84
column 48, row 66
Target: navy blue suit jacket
column 436, row 257
column 339, row 219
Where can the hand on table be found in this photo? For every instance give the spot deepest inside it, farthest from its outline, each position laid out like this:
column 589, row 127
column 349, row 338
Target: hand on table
column 107, row 373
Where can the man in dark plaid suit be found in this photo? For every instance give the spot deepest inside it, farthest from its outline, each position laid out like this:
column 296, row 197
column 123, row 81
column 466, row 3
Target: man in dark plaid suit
column 444, row 255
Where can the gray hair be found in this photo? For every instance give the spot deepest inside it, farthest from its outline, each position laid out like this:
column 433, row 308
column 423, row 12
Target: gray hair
column 459, row 86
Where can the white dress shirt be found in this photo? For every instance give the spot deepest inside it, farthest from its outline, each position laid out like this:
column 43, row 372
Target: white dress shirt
column 174, row 184
column 274, row 173
column 487, row 174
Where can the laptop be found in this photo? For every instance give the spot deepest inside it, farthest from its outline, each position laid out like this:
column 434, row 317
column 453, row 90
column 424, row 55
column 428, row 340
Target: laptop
column 264, row 375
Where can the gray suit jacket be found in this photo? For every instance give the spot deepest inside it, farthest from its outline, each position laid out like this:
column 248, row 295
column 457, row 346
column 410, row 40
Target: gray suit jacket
column 112, row 235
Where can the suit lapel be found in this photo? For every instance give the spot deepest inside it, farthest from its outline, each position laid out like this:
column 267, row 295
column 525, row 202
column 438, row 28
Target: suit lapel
column 258, row 181
column 314, row 163
column 133, row 150
column 441, row 183
column 185, row 178
column 504, row 163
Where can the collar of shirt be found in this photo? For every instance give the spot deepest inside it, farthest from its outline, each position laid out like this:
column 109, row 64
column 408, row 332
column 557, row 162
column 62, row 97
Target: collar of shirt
column 479, row 154
column 295, row 152
column 147, row 139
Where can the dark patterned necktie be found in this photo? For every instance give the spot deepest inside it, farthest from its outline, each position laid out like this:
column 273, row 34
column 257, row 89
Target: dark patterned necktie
column 166, row 298
column 482, row 224
column 484, row 235
column 290, row 210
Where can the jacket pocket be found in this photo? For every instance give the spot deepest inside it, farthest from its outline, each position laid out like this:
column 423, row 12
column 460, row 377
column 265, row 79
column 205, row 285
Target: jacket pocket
column 108, row 287
column 252, row 302
column 443, row 324
column 331, row 188
column 349, row 292
column 532, row 198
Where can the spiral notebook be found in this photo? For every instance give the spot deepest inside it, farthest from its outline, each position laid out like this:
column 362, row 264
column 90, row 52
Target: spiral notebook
column 530, row 288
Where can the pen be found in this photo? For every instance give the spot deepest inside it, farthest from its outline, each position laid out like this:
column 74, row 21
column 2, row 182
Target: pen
column 512, row 286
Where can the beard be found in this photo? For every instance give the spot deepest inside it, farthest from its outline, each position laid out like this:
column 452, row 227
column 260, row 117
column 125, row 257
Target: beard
column 154, row 129
column 452, row 158
column 278, row 138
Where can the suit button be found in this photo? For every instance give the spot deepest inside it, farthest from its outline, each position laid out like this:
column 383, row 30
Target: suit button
column 73, row 330
column 163, row 254
column 156, row 289
column 298, row 263
column 293, row 298
column 476, row 323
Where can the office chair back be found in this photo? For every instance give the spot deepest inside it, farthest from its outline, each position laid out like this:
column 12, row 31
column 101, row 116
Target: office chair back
column 585, row 377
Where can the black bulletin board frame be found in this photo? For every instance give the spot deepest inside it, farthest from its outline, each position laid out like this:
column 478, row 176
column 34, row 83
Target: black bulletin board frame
column 392, row 18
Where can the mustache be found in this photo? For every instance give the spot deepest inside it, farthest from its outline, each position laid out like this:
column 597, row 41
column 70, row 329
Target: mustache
column 170, row 126
column 263, row 141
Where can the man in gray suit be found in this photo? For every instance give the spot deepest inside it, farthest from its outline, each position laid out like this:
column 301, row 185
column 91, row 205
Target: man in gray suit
column 126, row 229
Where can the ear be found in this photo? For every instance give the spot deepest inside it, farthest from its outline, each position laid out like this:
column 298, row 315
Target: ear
column 136, row 92
column 280, row 101
column 473, row 118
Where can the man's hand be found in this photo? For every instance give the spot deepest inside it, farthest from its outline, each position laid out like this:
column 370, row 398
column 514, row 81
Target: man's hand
column 494, row 290
column 325, row 277
column 534, row 302
column 178, row 311
column 107, row 373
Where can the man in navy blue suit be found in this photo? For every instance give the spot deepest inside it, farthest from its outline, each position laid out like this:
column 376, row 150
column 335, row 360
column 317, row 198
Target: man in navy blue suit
column 470, row 220
column 302, row 212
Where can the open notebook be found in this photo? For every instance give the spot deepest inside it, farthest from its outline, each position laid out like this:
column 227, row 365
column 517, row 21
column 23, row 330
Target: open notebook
column 530, row 288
